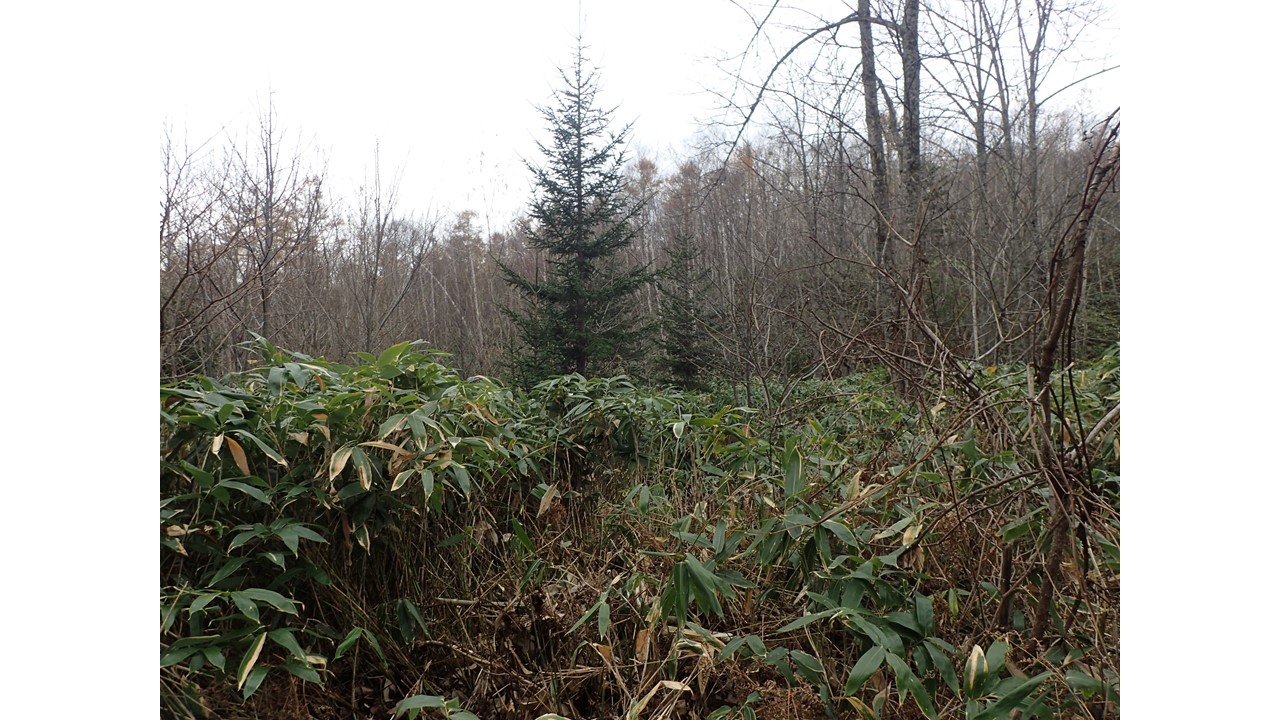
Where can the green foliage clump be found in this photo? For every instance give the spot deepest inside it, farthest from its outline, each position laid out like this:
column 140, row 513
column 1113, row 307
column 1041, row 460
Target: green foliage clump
column 598, row 547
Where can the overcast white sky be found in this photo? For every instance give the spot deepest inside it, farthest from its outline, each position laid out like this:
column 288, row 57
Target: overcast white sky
column 448, row 89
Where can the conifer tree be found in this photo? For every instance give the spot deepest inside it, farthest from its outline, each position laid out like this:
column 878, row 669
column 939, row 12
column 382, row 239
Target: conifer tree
column 579, row 318
column 684, row 338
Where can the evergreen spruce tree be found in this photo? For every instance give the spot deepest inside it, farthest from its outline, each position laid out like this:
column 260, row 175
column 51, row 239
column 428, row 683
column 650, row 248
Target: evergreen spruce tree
column 579, row 318
column 684, row 338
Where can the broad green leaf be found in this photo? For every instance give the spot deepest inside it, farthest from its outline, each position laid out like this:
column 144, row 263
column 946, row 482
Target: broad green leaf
column 265, row 448
column 291, row 533
column 704, row 585
column 203, row 478
column 995, row 656
column 602, row 624
column 364, row 470
column 249, row 490
column 339, row 461
column 730, row 647
column 392, row 424
column 393, row 353
column 401, row 478
column 975, row 672
column 215, row 657
column 175, row 656
column 1002, row 707
column 347, row 642
column 304, row 671
column 418, row 702
column 202, row 601
column 428, row 485
column 250, row 657
column 462, row 478
column 253, row 681
column 225, row 571
column 285, row 639
column 793, row 472
column 595, row 607
column 866, row 665
column 841, row 531
column 909, row 683
column 407, row 616
column 810, row 666
column 943, row 663
column 924, row 613
column 522, row 537
column 275, row 599
column 805, row 620
column 245, row 604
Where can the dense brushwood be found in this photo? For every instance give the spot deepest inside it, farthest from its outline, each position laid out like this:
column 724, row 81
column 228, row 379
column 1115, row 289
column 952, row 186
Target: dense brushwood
column 343, row 541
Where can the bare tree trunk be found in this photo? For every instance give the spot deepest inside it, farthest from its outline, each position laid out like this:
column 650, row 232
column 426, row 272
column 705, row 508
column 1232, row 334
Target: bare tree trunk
column 875, row 136
column 1066, row 274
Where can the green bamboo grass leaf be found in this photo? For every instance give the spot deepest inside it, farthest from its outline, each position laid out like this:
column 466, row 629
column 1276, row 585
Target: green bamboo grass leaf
column 995, row 656
column 428, row 485
column 249, row 490
column 418, row 702
column 246, row 665
column 462, row 478
column 975, row 672
column 265, row 448
column 301, row 669
column 285, row 639
column 862, row 670
column 392, row 424
column 1002, row 707
column 401, row 478
column 215, row 657
column 253, row 681
column 924, row 613
column 602, row 624
column 521, row 536
column 807, row 619
column 809, row 666
column 364, row 470
column 706, row 586
column 347, row 643
column 205, row 480
column 595, row 608
column 841, row 531
column 202, row 601
column 275, row 599
column 943, row 663
column 175, row 656
column 909, row 683
column 339, row 461
column 245, row 605
column 792, row 470
column 225, row 571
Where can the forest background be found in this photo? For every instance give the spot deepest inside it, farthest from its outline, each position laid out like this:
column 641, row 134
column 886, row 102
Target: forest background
column 95, row 343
